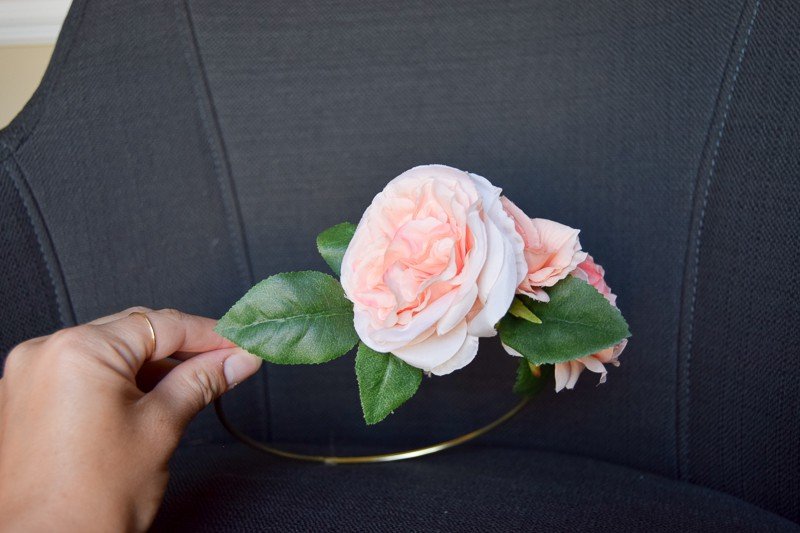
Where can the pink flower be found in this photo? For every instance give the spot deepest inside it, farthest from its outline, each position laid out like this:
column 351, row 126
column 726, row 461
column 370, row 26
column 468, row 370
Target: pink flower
column 567, row 373
column 552, row 251
column 433, row 266
column 594, row 275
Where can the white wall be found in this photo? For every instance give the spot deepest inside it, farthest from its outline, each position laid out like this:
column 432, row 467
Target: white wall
column 28, row 29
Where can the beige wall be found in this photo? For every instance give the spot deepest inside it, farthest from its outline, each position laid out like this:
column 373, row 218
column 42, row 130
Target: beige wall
column 21, row 69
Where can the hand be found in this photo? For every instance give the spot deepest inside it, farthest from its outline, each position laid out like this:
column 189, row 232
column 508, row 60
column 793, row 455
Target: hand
column 89, row 417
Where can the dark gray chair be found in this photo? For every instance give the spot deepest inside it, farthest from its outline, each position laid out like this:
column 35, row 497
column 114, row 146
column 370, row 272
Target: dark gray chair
column 178, row 151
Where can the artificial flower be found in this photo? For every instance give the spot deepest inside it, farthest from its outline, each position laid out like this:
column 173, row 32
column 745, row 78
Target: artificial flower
column 432, row 267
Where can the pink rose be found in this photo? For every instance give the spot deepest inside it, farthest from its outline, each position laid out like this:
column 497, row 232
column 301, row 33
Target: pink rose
column 552, row 251
column 567, row 373
column 433, row 266
column 594, row 275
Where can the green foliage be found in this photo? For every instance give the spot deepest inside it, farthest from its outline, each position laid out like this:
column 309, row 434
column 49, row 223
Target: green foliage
column 332, row 244
column 292, row 318
column 531, row 379
column 385, row 382
column 519, row 310
column 577, row 321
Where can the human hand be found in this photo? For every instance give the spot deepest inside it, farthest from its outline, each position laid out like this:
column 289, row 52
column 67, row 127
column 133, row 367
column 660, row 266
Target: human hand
column 90, row 415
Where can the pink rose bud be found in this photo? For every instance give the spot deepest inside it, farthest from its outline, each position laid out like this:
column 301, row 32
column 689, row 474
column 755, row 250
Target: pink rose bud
column 567, row 373
column 552, row 251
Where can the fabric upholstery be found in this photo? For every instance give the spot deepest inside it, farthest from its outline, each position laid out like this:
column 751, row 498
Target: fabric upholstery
column 471, row 489
column 741, row 388
column 26, row 281
column 177, row 151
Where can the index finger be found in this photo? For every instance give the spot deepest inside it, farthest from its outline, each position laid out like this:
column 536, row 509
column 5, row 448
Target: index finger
column 174, row 331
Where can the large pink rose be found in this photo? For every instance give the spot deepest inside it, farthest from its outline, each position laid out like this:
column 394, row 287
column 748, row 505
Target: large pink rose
column 567, row 373
column 552, row 251
column 432, row 267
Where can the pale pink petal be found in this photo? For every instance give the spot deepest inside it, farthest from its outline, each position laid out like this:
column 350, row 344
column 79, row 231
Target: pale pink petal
column 540, row 295
column 511, row 351
column 562, row 373
column 493, row 266
column 593, row 364
column 575, row 369
column 462, row 357
column 422, row 322
column 498, row 300
column 458, row 311
column 434, row 350
column 594, row 275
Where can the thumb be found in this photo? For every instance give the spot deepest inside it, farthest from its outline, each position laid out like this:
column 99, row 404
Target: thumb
column 198, row 381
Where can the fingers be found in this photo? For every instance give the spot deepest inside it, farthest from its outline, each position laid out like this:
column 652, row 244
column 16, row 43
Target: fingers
column 20, row 352
column 174, row 331
column 121, row 314
column 198, row 381
column 154, row 371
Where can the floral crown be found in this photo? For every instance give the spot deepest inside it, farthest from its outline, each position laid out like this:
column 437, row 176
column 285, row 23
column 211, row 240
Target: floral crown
column 439, row 259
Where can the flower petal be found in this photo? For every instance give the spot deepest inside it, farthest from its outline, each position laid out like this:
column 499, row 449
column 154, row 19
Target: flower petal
column 401, row 335
column 562, row 372
column 593, row 364
column 575, row 369
column 511, row 351
column 462, row 357
column 499, row 298
column 434, row 350
column 458, row 311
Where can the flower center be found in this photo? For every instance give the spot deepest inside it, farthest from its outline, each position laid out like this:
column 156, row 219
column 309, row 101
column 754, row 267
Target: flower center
column 419, row 261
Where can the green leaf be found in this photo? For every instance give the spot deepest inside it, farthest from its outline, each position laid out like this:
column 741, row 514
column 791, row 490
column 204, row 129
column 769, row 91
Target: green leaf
column 332, row 244
column 292, row 318
column 531, row 379
column 519, row 310
column 385, row 382
column 577, row 321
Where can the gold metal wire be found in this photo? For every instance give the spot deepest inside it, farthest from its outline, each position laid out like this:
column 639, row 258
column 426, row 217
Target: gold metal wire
column 361, row 459
column 152, row 332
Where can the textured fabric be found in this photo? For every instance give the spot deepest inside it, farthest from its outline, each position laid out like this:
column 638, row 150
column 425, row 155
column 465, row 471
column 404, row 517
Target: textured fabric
column 470, row 489
column 25, row 280
column 742, row 383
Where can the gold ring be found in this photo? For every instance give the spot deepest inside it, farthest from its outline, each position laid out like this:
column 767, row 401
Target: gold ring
column 152, row 332
column 362, row 459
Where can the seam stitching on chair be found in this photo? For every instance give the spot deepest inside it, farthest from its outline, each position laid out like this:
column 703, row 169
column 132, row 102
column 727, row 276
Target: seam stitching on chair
column 44, row 241
column 683, row 459
column 202, row 93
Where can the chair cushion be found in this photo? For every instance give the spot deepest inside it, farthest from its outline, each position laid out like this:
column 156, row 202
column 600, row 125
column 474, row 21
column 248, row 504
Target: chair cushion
column 475, row 488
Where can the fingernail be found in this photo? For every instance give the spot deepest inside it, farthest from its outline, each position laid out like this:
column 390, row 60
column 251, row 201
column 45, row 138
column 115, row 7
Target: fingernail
column 240, row 366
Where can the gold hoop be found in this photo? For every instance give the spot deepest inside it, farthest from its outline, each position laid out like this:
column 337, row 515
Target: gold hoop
column 362, row 459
